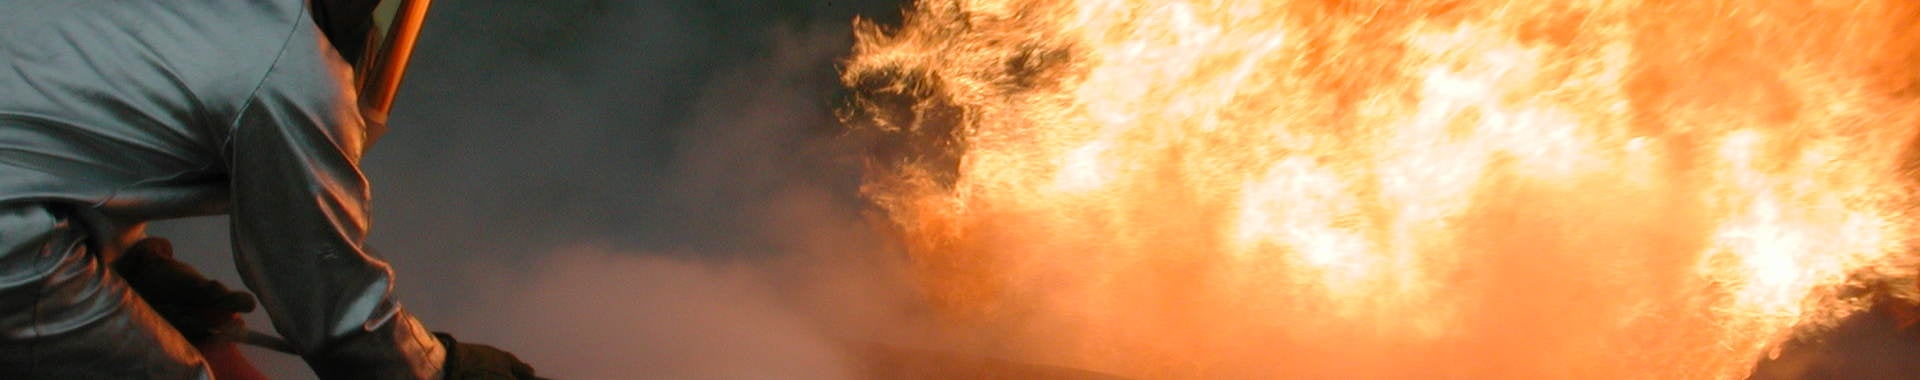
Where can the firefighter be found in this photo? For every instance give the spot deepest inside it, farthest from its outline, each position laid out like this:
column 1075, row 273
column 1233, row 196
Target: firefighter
column 115, row 113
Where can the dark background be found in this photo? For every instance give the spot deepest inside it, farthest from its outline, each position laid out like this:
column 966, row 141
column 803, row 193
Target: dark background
column 603, row 187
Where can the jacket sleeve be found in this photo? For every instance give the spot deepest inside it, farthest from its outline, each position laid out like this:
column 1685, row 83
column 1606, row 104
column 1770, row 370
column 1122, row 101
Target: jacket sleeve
column 299, row 219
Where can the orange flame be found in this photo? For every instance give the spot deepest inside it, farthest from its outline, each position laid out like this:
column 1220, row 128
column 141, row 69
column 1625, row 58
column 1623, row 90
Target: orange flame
column 1455, row 189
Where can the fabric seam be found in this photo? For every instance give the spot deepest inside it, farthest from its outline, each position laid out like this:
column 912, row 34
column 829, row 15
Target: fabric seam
column 226, row 144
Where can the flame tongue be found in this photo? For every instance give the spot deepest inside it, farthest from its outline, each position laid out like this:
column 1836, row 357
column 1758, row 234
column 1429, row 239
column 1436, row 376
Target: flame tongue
column 1560, row 189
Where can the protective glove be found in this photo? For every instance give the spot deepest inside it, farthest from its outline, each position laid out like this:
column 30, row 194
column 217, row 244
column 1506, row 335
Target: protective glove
column 468, row 361
column 198, row 307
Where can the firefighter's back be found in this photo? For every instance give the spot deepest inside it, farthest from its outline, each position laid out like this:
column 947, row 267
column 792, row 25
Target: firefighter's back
column 100, row 99
column 112, row 111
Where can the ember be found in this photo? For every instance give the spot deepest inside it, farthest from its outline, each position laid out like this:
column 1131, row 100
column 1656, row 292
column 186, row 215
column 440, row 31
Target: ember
column 1458, row 189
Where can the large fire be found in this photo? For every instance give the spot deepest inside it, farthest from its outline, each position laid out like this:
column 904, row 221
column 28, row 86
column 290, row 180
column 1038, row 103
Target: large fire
column 1402, row 189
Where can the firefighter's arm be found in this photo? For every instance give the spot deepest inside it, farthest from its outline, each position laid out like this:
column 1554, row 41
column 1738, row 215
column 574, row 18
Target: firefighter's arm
column 299, row 222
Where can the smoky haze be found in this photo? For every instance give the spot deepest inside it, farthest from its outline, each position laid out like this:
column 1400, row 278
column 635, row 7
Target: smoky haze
column 616, row 189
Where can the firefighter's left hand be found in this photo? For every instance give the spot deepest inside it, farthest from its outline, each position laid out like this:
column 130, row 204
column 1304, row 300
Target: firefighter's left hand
column 471, row 361
column 197, row 306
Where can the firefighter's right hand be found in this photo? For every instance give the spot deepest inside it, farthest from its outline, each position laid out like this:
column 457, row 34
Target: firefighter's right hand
column 468, row 361
column 196, row 306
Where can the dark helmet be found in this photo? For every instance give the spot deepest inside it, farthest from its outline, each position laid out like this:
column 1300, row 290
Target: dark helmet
column 377, row 37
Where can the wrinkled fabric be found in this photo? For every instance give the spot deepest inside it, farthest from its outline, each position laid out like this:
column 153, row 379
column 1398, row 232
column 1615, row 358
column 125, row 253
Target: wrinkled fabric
column 130, row 111
column 56, row 294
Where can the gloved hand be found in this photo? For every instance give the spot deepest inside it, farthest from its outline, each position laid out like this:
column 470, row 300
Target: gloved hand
column 468, row 361
column 196, row 306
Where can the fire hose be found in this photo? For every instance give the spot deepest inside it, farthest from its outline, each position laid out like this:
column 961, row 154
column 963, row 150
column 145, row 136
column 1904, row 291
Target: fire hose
column 250, row 337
